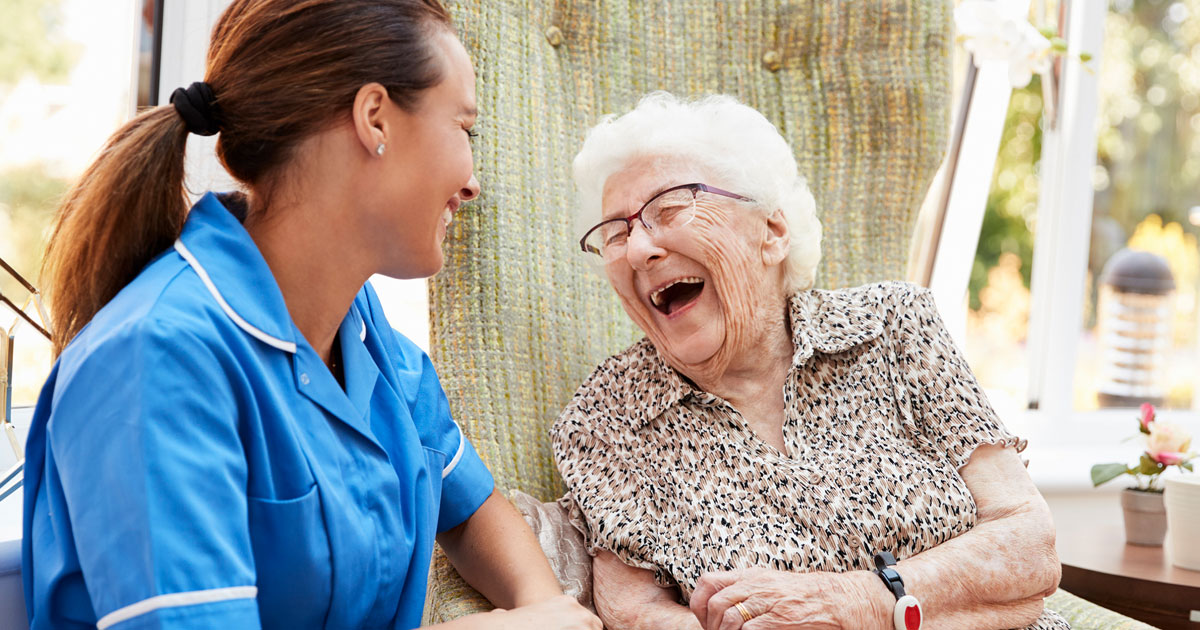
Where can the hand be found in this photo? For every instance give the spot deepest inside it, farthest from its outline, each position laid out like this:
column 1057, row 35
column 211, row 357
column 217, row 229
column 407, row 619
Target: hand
column 557, row 613
column 778, row 600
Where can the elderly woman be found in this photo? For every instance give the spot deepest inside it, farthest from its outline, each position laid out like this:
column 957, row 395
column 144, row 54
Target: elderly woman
column 770, row 451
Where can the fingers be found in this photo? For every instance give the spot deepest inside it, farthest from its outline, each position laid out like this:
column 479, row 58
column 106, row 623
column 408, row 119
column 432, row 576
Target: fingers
column 709, row 585
column 725, row 609
column 722, row 611
column 732, row 618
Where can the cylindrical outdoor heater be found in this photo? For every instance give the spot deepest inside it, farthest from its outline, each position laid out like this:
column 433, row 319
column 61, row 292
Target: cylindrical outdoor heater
column 1134, row 323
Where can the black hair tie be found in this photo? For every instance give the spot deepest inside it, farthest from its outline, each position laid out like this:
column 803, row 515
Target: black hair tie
column 197, row 105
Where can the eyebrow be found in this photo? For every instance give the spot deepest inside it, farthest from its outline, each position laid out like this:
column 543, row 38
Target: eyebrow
column 660, row 190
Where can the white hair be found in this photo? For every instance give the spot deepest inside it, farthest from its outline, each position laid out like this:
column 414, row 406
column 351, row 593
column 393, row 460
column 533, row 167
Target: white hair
column 733, row 141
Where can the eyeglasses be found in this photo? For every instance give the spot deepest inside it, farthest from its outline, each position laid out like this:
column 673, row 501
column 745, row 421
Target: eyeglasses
column 672, row 208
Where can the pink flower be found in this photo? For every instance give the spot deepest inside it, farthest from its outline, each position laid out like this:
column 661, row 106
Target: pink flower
column 1168, row 459
column 1147, row 416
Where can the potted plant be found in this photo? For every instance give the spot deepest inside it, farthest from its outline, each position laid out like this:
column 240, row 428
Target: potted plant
column 1165, row 444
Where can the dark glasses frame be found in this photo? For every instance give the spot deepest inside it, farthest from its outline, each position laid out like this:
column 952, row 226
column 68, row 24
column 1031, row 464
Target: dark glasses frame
column 694, row 187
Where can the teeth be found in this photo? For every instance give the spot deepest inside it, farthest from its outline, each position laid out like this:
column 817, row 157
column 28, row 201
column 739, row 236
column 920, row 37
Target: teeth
column 447, row 217
column 656, row 297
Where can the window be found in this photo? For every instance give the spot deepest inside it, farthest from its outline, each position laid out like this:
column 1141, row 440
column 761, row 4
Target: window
column 1146, row 181
column 65, row 84
column 1090, row 162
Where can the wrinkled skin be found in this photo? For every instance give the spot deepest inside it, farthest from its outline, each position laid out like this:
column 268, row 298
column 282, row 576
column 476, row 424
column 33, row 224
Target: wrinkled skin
column 735, row 342
column 730, row 244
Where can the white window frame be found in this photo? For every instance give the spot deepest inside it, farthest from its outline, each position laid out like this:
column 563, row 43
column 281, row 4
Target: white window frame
column 1064, row 443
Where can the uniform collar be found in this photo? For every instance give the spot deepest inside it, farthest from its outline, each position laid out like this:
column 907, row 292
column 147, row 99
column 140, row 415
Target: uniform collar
column 221, row 252
column 828, row 322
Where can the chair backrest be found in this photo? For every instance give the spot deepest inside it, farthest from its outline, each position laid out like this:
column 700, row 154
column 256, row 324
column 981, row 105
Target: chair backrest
column 860, row 89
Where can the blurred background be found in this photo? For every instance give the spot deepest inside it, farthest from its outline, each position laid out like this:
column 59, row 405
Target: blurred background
column 1146, row 178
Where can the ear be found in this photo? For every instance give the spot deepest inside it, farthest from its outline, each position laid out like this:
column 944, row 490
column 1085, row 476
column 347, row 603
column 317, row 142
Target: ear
column 367, row 112
column 777, row 241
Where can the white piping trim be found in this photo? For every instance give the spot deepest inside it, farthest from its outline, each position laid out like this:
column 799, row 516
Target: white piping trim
column 362, row 334
column 174, row 600
column 462, row 445
column 237, row 319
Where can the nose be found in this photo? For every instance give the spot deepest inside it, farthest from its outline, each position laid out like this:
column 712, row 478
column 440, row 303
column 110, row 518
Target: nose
column 642, row 248
column 471, row 190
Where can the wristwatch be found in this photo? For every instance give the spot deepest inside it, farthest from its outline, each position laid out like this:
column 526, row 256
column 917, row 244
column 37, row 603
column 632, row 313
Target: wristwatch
column 907, row 614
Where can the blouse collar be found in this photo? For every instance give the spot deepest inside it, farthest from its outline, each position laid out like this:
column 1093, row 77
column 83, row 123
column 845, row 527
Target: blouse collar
column 828, row 322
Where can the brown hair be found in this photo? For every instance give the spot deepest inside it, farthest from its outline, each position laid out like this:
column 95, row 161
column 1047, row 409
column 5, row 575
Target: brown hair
column 280, row 71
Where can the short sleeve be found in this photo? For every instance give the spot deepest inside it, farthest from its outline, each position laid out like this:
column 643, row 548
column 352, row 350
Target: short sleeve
column 951, row 413
column 609, row 499
column 147, row 462
column 466, row 481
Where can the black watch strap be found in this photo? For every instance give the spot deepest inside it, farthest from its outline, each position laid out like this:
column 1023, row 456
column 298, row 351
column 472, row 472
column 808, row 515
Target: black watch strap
column 883, row 568
column 907, row 614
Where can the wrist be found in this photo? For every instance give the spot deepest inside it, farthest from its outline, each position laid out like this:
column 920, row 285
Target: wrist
column 875, row 602
column 536, row 593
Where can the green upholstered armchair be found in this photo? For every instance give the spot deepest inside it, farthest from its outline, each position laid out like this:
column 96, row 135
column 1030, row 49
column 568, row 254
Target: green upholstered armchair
column 860, row 89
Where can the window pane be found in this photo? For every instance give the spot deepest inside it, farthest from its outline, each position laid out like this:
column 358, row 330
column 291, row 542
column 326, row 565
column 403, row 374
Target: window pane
column 1139, row 336
column 65, row 79
column 998, row 296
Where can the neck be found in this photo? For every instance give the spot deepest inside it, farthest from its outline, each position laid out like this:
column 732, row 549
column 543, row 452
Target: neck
column 757, row 369
column 316, row 270
column 752, row 378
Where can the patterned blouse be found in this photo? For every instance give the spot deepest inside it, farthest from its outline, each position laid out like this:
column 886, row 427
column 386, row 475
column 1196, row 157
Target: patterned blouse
column 881, row 412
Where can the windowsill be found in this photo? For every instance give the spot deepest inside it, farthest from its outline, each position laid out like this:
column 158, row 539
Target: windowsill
column 1062, row 449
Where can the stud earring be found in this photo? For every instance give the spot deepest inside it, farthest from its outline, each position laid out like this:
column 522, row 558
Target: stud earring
column 379, row 149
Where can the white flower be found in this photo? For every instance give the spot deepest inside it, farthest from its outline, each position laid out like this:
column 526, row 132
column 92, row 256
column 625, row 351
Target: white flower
column 996, row 32
column 1167, row 440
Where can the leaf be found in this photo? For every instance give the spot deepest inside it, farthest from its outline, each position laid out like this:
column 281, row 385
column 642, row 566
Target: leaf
column 1147, row 466
column 1104, row 473
column 1187, row 466
column 1085, row 57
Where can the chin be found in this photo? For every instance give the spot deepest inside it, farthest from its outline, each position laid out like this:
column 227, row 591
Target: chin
column 693, row 349
column 410, row 270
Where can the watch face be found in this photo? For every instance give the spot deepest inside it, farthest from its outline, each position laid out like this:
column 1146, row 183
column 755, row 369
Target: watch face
column 907, row 614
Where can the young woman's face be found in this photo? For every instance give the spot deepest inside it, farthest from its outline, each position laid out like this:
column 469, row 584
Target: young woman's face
column 430, row 157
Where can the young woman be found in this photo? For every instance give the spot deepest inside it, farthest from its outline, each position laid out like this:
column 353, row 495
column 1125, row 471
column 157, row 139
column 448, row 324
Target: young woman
column 233, row 436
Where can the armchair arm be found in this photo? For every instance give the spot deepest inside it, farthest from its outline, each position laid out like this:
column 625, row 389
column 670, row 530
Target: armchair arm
column 1084, row 615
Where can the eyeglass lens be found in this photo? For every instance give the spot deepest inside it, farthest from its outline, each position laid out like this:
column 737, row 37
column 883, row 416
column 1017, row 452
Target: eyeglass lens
column 671, row 209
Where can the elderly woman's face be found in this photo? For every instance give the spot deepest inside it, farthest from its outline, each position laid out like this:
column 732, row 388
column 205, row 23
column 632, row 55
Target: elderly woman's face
column 690, row 288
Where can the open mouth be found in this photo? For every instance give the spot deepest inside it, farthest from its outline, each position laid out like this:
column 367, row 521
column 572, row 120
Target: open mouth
column 677, row 295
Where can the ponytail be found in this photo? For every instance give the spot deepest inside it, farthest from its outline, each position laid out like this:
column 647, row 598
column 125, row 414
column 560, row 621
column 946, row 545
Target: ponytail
column 128, row 207
column 277, row 72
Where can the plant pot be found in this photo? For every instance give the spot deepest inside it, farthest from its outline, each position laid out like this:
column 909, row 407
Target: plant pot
column 1145, row 517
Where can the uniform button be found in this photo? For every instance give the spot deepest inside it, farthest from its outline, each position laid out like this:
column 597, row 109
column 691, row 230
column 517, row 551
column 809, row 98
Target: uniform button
column 304, row 378
column 554, row 36
column 771, row 61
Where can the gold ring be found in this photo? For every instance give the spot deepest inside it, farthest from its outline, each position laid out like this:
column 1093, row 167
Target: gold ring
column 746, row 616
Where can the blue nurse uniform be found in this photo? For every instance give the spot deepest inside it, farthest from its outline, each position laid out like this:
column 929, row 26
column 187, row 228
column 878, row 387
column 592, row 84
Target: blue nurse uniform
column 193, row 464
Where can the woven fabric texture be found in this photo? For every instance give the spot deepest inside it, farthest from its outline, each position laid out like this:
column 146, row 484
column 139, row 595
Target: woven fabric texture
column 1084, row 615
column 860, row 89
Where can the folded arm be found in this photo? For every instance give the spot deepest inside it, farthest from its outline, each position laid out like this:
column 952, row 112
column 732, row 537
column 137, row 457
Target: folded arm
column 628, row 598
column 993, row 576
column 997, row 574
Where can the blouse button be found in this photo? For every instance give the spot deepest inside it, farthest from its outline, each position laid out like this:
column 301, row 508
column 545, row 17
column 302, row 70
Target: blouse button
column 304, row 378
